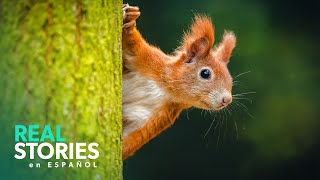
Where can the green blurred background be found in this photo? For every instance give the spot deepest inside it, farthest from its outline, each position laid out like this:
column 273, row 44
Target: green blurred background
column 277, row 137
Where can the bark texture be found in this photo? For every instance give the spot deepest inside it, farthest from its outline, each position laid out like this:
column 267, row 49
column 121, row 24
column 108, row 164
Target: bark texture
column 61, row 65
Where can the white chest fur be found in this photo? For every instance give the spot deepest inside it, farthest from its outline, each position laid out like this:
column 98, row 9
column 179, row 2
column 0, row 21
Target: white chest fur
column 140, row 98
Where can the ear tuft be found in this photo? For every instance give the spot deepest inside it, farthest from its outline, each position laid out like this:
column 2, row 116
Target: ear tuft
column 202, row 27
column 200, row 38
column 225, row 48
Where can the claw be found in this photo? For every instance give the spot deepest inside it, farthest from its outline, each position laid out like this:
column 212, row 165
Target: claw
column 130, row 8
column 130, row 14
column 129, row 25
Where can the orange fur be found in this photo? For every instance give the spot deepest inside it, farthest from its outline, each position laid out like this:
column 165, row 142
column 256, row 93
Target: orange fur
column 224, row 50
column 149, row 60
column 163, row 118
column 177, row 75
column 202, row 27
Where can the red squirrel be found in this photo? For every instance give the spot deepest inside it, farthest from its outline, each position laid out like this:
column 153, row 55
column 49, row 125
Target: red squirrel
column 157, row 87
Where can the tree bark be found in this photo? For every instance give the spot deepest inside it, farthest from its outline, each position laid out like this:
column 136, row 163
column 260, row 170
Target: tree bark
column 61, row 65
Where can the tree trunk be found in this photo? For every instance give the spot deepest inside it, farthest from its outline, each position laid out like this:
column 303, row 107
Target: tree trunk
column 60, row 64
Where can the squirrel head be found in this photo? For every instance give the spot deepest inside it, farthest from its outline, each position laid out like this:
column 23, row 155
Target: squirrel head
column 200, row 77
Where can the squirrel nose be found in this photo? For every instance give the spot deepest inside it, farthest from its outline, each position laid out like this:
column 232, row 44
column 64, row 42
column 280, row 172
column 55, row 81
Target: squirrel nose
column 227, row 99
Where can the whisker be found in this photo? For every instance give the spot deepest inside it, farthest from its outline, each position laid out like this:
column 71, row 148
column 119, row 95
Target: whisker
column 248, row 99
column 214, row 119
column 241, row 74
column 237, row 95
column 244, row 93
column 233, row 105
column 245, row 108
column 218, row 137
column 236, row 127
column 225, row 130
column 188, row 115
column 228, row 110
column 214, row 130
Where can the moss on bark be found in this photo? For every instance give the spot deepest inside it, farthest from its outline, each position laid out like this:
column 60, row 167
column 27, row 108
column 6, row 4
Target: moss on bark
column 61, row 65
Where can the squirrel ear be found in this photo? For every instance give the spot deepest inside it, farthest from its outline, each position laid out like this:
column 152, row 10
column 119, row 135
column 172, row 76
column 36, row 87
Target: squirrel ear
column 199, row 48
column 199, row 40
column 224, row 50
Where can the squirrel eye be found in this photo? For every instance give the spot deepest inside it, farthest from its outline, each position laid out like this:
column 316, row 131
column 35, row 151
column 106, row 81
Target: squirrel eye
column 205, row 74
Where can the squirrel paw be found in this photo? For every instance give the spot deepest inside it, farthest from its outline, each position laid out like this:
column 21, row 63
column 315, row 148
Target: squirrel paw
column 130, row 14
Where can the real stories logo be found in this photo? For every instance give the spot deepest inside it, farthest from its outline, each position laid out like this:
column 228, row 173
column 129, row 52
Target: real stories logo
column 47, row 145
